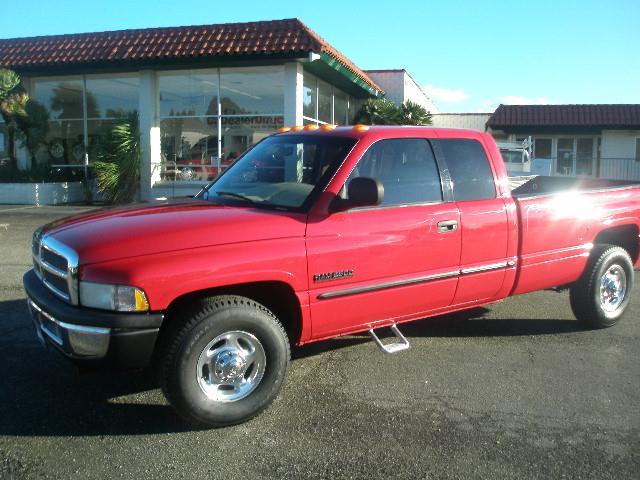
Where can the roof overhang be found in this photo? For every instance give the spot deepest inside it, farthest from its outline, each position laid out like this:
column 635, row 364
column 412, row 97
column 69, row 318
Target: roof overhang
column 330, row 69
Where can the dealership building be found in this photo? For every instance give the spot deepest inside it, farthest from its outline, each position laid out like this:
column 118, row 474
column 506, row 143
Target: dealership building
column 203, row 94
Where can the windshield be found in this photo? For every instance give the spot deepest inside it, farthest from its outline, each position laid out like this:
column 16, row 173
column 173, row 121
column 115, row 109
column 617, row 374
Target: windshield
column 281, row 171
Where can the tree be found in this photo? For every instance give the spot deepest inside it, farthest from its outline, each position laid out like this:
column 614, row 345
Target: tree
column 380, row 111
column 34, row 127
column 414, row 114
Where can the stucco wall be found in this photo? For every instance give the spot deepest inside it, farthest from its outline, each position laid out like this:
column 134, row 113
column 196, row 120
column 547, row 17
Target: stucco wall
column 618, row 153
column 619, row 143
column 41, row 193
column 400, row 87
column 472, row 121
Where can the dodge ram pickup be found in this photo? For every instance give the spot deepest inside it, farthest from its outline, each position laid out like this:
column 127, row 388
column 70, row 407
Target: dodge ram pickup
column 313, row 233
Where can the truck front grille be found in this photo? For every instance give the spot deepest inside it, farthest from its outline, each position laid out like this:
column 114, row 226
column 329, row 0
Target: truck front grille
column 56, row 265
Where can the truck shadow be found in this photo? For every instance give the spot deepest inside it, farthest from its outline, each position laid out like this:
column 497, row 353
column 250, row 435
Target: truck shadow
column 468, row 323
column 42, row 395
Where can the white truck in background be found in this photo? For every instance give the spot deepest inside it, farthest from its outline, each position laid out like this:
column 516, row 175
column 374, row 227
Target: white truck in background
column 517, row 157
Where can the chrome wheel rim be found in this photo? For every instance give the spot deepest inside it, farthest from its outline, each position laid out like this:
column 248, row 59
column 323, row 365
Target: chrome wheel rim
column 231, row 366
column 613, row 288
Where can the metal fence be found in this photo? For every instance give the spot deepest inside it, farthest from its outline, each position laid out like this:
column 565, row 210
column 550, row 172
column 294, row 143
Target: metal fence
column 620, row 168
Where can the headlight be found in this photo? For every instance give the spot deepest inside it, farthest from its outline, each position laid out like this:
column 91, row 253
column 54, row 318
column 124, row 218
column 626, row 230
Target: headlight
column 120, row 298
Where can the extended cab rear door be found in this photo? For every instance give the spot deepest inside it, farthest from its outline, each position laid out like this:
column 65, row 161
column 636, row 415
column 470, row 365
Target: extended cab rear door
column 391, row 262
column 484, row 225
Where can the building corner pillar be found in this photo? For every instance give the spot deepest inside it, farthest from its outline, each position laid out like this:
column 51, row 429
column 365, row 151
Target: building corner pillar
column 150, row 157
column 293, row 93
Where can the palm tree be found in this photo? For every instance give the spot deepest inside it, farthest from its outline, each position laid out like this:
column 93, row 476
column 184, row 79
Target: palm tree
column 118, row 167
column 414, row 114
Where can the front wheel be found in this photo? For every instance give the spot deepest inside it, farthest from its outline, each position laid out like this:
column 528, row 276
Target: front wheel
column 226, row 363
column 602, row 295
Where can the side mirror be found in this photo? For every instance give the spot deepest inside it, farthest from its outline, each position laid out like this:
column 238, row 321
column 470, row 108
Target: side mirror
column 361, row 192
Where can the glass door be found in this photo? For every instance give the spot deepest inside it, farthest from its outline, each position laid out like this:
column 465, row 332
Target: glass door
column 584, row 157
column 565, row 157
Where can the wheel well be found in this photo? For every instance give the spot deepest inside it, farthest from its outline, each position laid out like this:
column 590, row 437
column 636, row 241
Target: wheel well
column 625, row 236
column 276, row 296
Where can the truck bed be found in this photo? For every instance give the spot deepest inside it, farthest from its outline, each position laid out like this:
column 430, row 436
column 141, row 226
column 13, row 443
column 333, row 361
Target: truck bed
column 560, row 219
column 544, row 185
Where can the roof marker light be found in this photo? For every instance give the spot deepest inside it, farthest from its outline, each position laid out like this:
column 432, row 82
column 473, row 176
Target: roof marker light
column 311, row 126
column 297, row 128
column 284, row 129
column 327, row 127
column 360, row 128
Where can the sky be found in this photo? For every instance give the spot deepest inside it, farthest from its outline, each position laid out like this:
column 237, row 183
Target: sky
column 469, row 56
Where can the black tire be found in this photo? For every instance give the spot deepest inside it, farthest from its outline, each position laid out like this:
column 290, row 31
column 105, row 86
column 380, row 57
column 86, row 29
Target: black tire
column 178, row 368
column 585, row 295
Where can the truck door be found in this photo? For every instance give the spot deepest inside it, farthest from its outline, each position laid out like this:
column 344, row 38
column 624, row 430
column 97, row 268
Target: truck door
column 483, row 220
column 390, row 262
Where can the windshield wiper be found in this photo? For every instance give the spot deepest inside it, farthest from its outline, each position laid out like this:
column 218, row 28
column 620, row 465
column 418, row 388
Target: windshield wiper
column 235, row 195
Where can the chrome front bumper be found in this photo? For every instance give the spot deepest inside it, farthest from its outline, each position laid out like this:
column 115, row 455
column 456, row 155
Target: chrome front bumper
column 90, row 337
column 75, row 341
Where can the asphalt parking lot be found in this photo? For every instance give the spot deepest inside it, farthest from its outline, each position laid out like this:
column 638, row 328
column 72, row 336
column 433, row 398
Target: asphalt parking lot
column 516, row 390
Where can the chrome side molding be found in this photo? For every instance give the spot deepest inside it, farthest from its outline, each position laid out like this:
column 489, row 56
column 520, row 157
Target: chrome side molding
column 411, row 281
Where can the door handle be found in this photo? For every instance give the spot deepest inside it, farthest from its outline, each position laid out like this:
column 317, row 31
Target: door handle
column 447, row 226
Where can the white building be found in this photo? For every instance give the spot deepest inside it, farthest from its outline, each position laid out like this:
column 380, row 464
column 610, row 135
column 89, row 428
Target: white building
column 471, row 121
column 399, row 87
column 576, row 140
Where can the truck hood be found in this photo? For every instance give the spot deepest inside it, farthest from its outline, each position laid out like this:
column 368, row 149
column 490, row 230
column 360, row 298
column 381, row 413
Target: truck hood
column 181, row 224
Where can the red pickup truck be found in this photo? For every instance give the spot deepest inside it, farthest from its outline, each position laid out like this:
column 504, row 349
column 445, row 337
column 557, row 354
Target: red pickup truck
column 315, row 233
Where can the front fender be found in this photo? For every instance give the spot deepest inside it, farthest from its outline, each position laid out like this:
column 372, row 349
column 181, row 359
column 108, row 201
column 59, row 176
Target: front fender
column 167, row 276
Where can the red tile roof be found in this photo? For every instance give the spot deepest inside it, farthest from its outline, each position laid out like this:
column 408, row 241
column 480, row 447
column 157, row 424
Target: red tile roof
column 568, row 116
column 289, row 36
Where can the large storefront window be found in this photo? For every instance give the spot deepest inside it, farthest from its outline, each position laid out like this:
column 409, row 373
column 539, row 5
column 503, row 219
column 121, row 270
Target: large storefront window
column 325, row 103
column 82, row 112
column 239, row 133
column 61, row 97
column 322, row 103
column 309, row 96
column 252, row 90
column 340, row 108
column 354, row 107
column 189, row 148
column 188, row 93
column 4, row 144
column 111, row 96
column 201, row 135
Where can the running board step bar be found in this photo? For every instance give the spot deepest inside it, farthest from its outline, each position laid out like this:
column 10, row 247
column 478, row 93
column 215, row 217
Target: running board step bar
column 400, row 345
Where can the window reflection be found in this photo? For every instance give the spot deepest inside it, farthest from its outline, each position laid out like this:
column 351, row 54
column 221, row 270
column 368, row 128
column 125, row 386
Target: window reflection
column 251, row 90
column 62, row 97
column 188, row 93
column 324, row 102
column 107, row 98
column 111, row 96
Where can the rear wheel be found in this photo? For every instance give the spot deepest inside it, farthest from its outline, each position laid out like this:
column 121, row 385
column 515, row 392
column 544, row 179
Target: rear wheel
column 601, row 296
column 226, row 363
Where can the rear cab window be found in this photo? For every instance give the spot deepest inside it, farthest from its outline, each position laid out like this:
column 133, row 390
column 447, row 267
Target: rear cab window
column 469, row 169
